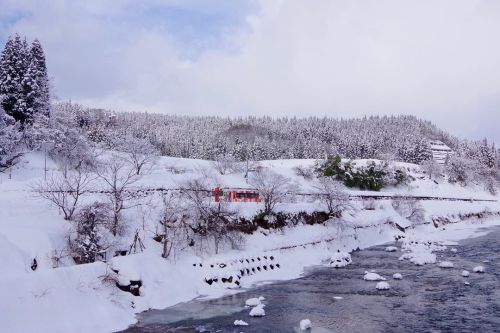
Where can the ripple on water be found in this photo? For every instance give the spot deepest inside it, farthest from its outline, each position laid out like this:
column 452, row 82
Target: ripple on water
column 428, row 299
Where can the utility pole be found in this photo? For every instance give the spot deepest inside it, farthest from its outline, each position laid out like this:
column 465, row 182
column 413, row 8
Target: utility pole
column 45, row 163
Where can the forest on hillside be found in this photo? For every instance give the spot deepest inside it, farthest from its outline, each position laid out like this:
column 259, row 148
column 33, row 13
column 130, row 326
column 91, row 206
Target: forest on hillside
column 403, row 138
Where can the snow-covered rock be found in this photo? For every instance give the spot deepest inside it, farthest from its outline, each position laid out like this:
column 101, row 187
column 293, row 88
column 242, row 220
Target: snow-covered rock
column 338, row 297
column 240, row 323
column 253, row 301
column 372, row 276
column 382, row 285
column 391, row 249
column 397, row 276
column 305, row 324
column 446, row 264
column 340, row 259
column 453, row 250
column 258, row 311
column 419, row 255
column 420, row 252
column 465, row 273
column 478, row 269
column 467, row 283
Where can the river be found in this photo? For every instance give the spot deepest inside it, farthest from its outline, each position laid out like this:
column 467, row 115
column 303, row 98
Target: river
column 427, row 299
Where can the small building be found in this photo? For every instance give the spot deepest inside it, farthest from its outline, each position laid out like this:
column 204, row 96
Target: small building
column 440, row 152
column 235, row 195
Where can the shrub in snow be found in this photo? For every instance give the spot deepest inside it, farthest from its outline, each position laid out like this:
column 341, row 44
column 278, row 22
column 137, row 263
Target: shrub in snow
column 89, row 239
column 306, row 172
column 240, row 323
column 258, row 311
column 478, row 269
column 465, row 273
column 446, row 264
column 382, row 285
column 369, row 178
column 391, row 249
column 397, row 276
column 305, row 324
column 340, row 259
column 10, row 138
column 371, row 276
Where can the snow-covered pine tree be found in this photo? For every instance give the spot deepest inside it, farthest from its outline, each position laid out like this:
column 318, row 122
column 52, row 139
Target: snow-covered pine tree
column 10, row 137
column 486, row 154
column 13, row 66
column 37, row 73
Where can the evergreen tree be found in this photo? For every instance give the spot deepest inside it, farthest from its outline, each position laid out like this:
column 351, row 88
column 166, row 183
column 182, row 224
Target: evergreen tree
column 39, row 100
column 13, row 67
column 486, row 154
column 23, row 80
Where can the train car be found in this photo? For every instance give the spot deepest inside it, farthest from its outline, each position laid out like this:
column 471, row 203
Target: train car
column 235, row 195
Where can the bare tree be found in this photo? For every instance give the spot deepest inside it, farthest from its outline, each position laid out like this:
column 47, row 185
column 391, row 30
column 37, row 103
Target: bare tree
column 410, row 209
column 210, row 219
column 65, row 189
column 272, row 187
column 140, row 152
column 118, row 176
column 225, row 164
column 173, row 224
column 306, row 172
column 431, row 168
column 331, row 193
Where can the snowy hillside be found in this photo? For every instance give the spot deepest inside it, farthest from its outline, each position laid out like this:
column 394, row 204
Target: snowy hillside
column 59, row 296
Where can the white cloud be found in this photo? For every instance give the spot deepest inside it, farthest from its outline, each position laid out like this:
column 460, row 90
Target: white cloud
column 435, row 59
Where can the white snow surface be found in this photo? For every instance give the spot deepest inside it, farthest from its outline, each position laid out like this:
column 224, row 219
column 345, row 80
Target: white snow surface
column 372, row 276
column 382, row 285
column 340, row 259
column 240, row 323
column 258, row 311
column 446, row 264
column 83, row 298
column 253, row 301
column 305, row 324
column 391, row 249
column 478, row 269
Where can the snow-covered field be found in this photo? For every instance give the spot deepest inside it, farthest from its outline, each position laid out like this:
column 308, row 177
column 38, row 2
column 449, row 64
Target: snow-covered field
column 63, row 297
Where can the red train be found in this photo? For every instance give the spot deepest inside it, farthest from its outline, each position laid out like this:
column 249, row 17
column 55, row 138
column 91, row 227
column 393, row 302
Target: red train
column 235, row 195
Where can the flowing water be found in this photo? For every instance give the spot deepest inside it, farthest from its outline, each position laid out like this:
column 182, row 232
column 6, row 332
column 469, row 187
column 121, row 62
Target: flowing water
column 428, row 299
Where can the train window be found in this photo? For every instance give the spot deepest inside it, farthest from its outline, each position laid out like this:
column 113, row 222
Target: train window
column 246, row 195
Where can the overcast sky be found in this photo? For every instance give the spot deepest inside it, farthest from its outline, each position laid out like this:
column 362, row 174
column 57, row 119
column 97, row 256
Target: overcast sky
column 438, row 60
